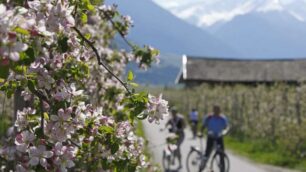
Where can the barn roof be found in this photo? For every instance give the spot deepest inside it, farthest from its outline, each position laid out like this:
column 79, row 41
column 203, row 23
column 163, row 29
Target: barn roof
column 246, row 71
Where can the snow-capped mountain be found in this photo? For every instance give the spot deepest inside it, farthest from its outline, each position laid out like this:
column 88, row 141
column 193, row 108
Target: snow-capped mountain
column 228, row 28
column 204, row 13
column 265, row 35
column 254, row 28
column 157, row 27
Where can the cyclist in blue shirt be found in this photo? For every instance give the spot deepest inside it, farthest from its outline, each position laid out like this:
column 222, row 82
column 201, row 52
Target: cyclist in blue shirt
column 194, row 117
column 217, row 125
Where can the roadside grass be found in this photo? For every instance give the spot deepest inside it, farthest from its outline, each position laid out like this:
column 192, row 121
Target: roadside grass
column 262, row 152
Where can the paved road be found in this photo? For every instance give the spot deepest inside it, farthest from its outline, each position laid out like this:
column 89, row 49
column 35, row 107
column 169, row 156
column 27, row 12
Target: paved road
column 157, row 142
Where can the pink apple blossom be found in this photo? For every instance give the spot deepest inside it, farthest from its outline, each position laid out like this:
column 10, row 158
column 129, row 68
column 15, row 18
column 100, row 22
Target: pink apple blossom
column 157, row 108
column 23, row 140
column 39, row 155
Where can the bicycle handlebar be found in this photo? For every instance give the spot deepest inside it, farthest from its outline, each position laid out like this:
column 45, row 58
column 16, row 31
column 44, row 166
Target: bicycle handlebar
column 223, row 133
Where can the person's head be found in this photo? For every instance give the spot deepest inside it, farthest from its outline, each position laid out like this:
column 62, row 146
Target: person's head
column 216, row 110
column 174, row 111
column 194, row 109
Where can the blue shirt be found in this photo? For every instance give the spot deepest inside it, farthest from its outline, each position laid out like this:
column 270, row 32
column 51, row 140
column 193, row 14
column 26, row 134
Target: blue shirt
column 215, row 124
column 193, row 116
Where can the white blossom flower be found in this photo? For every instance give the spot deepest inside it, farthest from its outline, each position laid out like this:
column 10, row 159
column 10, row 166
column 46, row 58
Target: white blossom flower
column 60, row 17
column 11, row 48
column 23, row 140
column 21, row 121
column 39, row 155
column 64, row 156
column 74, row 92
column 157, row 108
column 8, row 152
column 60, row 127
column 26, row 95
column 20, row 168
column 40, row 26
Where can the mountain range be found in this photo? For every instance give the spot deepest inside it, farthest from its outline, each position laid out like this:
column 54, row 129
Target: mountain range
column 242, row 29
column 205, row 13
column 157, row 27
column 254, row 28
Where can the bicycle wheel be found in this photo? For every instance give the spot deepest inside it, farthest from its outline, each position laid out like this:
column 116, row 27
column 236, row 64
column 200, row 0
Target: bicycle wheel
column 166, row 161
column 193, row 160
column 217, row 165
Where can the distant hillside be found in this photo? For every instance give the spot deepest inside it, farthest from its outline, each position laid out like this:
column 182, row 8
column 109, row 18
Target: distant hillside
column 265, row 35
column 163, row 73
column 254, row 28
column 155, row 26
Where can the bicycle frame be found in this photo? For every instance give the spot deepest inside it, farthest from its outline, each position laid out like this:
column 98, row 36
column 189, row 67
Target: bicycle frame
column 169, row 154
column 201, row 149
column 199, row 159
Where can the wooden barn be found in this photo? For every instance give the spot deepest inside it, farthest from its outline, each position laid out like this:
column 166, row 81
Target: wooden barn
column 198, row 70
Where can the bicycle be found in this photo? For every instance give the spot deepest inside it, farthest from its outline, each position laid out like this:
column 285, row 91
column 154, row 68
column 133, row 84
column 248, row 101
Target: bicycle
column 196, row 158
column 169, row 152
column 194, row 127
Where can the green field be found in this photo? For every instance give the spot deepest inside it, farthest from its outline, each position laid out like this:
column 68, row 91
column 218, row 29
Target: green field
column 263, row 152
column 267, row 122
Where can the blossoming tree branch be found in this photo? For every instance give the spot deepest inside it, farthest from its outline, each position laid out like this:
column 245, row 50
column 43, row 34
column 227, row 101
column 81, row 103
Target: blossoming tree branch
column 79, row 111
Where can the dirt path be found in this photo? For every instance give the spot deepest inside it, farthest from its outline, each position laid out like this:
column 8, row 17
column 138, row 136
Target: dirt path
column 237, row 163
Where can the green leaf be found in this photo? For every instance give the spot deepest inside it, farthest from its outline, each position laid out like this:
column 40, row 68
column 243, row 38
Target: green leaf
column 155, row 52
column 17, row 2
column 130, row 76
column 96, row 2
column 133, row 84
column 131, row 118
column 63, row 44
column 90, row 7
column 31, row 54
column 9, row 93
column 106, row 129
column 31, row 85
column 114, row 148
column 4, row 71
column 84, row 18
column 39, row 132
column 19, row 69
column 21, row 31
column 26, row 57
column 132, row 167
column 46, row 116
column 87, row 35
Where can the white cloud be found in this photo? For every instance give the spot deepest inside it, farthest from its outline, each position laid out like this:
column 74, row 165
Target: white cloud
column 271, row 5
column 208, row 12
column 173, row 4
column 168, row 4
column 213, row 17
column 189, row 12
column 287, row 1
column 297, row 16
